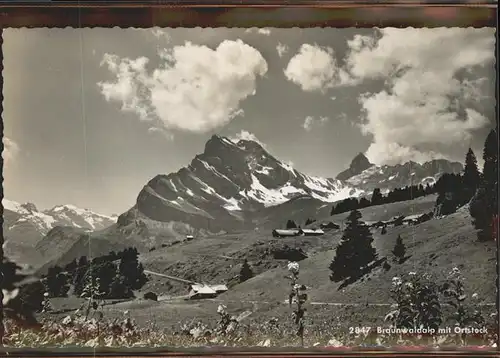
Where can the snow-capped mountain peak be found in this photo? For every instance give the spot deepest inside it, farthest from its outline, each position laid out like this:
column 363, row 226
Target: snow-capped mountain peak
column 234, row 176
column 61, row 215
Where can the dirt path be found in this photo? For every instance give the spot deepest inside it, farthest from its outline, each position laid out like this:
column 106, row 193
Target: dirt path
column 171, row 277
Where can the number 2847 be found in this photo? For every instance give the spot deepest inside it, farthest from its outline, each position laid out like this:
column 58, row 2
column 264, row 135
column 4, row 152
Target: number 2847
column 359, row 330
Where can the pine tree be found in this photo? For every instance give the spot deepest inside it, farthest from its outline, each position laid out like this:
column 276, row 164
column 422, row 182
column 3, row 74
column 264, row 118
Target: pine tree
column 290, row 224
column 355, row 250
column 377, row 197
column 246, row 272
column 56, row 281
column 471, row 177
column 309, row 222
column 118, row 289
column 399, row 249
column 131, row 269
column 484, row 205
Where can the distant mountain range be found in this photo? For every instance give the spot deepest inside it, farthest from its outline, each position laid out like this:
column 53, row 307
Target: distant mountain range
column 231, row 186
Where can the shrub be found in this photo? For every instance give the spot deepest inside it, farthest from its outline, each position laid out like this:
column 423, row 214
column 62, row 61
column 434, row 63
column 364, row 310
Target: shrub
column 417, row 302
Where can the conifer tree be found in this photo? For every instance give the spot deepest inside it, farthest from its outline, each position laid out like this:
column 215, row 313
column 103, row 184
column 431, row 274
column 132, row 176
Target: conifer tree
column 290, row 224
column 399, row 249
column 246, row 272
column 131, row 269
column 355, row 250
column 484, row 205
column 377, row 197
column 471, row 176
column 56, row 281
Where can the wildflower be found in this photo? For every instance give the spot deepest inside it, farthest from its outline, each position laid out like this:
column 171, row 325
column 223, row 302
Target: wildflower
column 475, row 296
column 297, row 286
column 396, row 281
column 412, row 273
column 46, row 294
column 67, row 320
column 221, row 309
column 293, row 267
column 454, row 271
column 9, row 295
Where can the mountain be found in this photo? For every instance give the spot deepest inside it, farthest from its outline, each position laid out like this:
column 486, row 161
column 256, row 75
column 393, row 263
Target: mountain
column 233, row 186
column 227, row 186
column 387, row 177
column 359, row 164
column 24, row 225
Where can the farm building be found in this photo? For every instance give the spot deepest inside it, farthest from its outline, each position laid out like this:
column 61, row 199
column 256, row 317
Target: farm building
column 329, row 225
column 205, row 291
column 285, row 233
column 219, row 288
column 311, row 232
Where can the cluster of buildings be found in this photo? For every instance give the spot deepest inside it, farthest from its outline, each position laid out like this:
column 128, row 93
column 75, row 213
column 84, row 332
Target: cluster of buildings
column 305, row 232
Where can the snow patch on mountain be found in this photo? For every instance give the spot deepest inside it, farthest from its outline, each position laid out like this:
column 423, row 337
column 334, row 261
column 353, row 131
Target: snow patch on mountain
column 61, row 215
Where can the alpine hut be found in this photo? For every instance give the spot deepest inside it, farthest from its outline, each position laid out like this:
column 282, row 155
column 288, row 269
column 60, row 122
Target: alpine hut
column 286, row 233
column 311, row 232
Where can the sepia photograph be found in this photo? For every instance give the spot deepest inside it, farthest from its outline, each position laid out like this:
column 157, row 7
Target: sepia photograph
column 249, row 187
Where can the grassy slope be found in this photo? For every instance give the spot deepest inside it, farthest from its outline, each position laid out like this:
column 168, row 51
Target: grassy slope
column 452, row 239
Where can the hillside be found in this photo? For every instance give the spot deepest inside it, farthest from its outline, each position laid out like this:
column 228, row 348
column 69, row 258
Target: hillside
column 435, row 246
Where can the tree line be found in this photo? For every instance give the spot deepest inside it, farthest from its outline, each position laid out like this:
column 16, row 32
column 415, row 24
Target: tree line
column 396, row 195
column 473, row 187
column 114, row 275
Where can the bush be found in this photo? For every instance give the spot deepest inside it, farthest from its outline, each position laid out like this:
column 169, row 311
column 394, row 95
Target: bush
column 151, row 296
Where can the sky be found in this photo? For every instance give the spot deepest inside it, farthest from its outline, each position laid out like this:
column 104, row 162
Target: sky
column 90, row 115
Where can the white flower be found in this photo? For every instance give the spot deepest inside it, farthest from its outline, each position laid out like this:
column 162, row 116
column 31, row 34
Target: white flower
column 9, row 295
column 296, row 286
column 409, row 284
column 475, row 295
column 396, row 281
column 293, row 267
column 221, row 309
column 67, row 320
column 412, row 273
column 46, row 294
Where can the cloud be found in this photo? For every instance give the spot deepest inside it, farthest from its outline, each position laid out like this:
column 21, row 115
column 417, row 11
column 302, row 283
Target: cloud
column 195, row 89
column 315, row 68
column 160, row 33
column 310, row 122
column 246, row 135
column 10, row 151
column 282, row 49
column 430, row 89
column 261, row 31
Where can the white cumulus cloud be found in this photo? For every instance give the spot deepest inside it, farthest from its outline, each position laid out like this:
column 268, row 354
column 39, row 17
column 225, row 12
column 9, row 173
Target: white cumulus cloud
column 196, row 88
column 246, row 135
column 10, row 151
column 282, row 49
column 429, row 87
column 261, row 31
column 428, row 97
column 311, row 121
column 315, row 68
